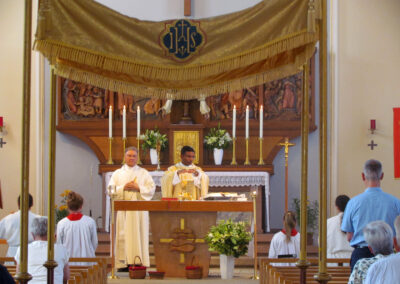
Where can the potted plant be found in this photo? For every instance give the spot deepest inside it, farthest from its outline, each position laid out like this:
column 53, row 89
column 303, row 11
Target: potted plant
column 230, row 239
column 62, row 210
column 217, row 139
column 155, row 141
column 312, row 217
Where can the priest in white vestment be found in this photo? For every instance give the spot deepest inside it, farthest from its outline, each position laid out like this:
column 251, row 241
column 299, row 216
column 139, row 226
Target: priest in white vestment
column 10, row 228
column 176, row 179
column 132, row 227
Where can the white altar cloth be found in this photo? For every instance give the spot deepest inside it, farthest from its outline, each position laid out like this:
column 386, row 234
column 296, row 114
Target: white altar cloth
column 217, row 179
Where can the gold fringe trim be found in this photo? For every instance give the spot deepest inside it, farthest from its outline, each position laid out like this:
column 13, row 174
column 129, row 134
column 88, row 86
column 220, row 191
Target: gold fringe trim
column 187, row 93
column 54, row 50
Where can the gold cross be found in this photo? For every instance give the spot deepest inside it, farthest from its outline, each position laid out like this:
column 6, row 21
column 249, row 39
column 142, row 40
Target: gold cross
column 287, row 144
column 182, row 227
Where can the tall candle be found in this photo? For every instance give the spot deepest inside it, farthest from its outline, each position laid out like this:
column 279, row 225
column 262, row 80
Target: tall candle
column 110, row 114
column 234, row 122
column 373, row 124
column 261, row 121
column 138, row 121
column 124, row 123
column 1, row 121
column 247, row 122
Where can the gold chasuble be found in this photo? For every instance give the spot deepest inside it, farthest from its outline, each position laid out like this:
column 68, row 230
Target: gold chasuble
column 185, row 185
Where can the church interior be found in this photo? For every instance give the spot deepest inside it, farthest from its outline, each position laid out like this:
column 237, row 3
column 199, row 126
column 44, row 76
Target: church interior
column 82, row 82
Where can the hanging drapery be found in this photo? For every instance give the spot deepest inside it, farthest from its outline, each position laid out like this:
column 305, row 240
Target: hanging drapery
column 177, row 59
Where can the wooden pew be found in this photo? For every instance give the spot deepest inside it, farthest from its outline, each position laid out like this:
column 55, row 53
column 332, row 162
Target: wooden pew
column 270, row 274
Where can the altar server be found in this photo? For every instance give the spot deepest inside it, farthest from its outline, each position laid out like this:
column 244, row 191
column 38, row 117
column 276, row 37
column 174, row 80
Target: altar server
column 132, row 227
column 77, row 232
column 286, row 243
column 10, row 228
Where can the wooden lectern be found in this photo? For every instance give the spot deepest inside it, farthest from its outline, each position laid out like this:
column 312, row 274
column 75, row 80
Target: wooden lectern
column 179, row 228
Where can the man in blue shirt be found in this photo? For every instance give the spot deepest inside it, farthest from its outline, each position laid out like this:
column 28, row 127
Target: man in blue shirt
column 371, row 205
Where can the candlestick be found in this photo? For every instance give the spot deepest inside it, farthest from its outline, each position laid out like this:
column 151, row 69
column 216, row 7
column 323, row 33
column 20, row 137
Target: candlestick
column 261, row 121
column 247, row 161
column 261, row 161
column 124, row 123
column 138, row 152
column 110, row 161
column 372, row 126
column 123, row 149
column 247, row 122
column 110, row 114
column 233, row 151
column 234, row 122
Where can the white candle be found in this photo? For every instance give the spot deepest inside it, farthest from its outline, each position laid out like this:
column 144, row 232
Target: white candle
column 247, row 122
column 138, row 121
column 234, row 122
column 261, row 121
column 124, row 123
column 110, row 122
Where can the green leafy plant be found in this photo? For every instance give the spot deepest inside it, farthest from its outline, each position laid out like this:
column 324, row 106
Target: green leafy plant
column 153, row 137
column 229, row 238
column 217, row 138
column 62, row 210
column 312, row 213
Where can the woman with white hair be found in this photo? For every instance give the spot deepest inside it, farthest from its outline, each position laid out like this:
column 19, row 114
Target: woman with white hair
column 379, row 237
column 37, row 256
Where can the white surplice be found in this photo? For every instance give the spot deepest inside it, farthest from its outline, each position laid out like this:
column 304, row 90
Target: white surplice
column 132, row 227
column 78, row 237
column 10, row 230
column 280, row 246
column 337, row 244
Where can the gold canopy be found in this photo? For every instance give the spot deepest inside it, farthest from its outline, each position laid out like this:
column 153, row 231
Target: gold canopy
column 88, row 42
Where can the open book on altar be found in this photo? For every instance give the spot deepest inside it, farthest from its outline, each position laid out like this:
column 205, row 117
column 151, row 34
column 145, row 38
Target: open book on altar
column 225, row 196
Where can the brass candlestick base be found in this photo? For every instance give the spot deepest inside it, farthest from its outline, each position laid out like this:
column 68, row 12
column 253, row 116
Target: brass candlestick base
column 158, row 148
column 247, row 161
column 113, row 195
column 110, row 160
column 253, row 195
column 123, row 149
column 139, row 162
column 234, row 152
column 261, row 161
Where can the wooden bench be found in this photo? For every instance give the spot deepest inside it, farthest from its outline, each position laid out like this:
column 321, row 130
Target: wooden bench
column 270, row 274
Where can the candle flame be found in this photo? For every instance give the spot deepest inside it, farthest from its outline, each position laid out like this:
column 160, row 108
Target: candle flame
column 247, row 107
column 234, row 106
column 138, row 108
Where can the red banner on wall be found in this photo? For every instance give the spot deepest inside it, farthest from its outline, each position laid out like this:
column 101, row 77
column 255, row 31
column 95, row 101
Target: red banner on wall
column 396, row 141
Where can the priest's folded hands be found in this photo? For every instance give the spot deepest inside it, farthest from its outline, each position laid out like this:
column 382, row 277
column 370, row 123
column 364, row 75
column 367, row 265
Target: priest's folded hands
column 132, row 186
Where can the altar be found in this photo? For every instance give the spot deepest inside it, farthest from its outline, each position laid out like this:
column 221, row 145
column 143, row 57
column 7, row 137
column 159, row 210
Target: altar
column 225, row 181
column 179, row 229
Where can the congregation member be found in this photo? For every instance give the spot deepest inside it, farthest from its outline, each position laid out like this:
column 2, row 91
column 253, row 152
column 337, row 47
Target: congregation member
column 337, row 244
column 175, row 179
column 10, row 227
column 5, row 276
column 285, row 243
column 371, row 205
column 379, row 237
column 387, row 270
column 132, row 227
column 37, row 256
column 77, row 232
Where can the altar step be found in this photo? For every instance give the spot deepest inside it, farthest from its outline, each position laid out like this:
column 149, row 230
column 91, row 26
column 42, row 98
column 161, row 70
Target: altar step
column 264, row 240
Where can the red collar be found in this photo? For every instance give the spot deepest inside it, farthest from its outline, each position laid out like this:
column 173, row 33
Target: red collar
column 294, row 232
column 75, row 216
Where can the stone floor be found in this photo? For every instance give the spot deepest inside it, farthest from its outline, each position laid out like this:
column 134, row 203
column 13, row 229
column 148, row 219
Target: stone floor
column 242, row 276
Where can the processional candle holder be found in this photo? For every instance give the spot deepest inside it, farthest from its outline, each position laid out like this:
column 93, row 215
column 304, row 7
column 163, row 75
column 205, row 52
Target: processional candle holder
column 113, row 194
column 247, row 161
column 158, row 148
column 254, row 198
column 123, row 149
column 110, row 160
column 261, row 161
column 233, row 163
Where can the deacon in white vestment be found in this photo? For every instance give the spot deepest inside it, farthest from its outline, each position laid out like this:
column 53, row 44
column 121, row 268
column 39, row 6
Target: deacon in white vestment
column 132, row 227
column 10, row 228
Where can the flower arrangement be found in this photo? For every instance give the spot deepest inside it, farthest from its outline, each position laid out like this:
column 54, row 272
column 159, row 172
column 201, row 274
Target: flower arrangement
column 153, row 137
column 62, row 210
column 217, row 138
column 229, row 238
column 312, row 213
